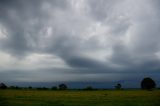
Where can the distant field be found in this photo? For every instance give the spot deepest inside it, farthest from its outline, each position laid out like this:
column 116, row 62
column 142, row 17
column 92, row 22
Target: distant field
column 79, row 98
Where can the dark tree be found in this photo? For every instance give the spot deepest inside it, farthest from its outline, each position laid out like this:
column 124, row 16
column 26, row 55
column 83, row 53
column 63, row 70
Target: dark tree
column 88, row 88
column 44, row 88
column 148, row 83
column 3, row 86
column 54, row 88
column 62, row 86
column 30, row 87
column 118, row 86
column 17, row 87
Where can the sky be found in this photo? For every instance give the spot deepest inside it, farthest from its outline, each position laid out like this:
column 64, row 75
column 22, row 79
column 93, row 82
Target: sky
column 98, row 41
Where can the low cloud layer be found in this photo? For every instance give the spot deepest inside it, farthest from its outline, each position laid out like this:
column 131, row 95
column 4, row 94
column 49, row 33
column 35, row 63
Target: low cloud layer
column 79, row 40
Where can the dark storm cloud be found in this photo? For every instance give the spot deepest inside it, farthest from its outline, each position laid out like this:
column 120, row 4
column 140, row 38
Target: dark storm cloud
column 22, row 20
column 84, row 62
column 87, row 37
column 14, row 19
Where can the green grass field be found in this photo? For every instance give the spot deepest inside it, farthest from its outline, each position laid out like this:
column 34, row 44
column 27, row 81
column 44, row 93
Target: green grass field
column 79, row 98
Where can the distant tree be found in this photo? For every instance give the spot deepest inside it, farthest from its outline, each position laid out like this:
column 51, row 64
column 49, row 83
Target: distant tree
column 44, row 88
column 29, row 87
column 88, row 88
column 39, row 88
column 118, row 86
column 17, row 87
column 12, row 87
column 54, row 88
column 148, row 83
column 3, row 86
column 62, row 86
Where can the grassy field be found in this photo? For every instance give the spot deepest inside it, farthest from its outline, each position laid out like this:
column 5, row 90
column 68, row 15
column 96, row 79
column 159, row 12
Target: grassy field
column 79, row 98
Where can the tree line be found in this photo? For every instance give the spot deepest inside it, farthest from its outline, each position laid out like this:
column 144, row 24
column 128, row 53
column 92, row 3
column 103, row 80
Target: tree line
column 147, row 83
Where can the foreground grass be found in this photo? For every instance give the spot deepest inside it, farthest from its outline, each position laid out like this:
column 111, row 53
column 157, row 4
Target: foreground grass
column 79, row 98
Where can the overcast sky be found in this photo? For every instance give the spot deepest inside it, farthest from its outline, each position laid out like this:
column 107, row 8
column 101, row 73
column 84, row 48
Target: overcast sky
column 79, row 40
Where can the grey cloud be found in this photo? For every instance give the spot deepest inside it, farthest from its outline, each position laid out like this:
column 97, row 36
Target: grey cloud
column 84, row 62
column 127, row 33
column 101, row 10
column 22, row 20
